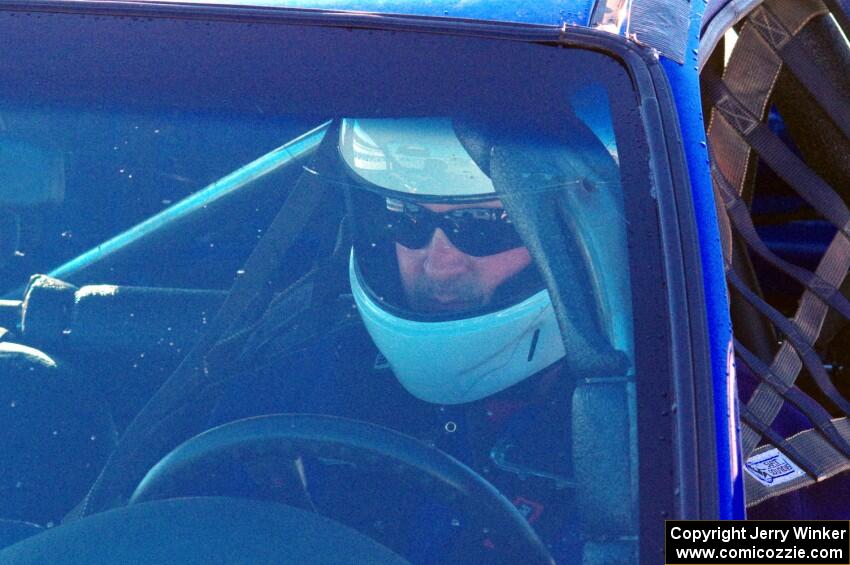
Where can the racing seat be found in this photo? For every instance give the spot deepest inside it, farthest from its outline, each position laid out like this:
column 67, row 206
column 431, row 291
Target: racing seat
column 795, row 431
column 605, row 462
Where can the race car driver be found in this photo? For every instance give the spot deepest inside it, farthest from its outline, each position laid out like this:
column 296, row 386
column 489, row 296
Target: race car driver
column 456, row 341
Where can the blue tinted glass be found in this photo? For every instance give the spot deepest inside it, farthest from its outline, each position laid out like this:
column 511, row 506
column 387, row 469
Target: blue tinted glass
column 435, row 185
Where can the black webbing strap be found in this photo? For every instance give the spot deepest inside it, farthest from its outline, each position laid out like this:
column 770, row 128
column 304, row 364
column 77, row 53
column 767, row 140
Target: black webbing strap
column 809, row 407
column 280, row 315
column 829, row 204
column 796, row 337
column 304, row 311
column 181, row 407
column 801, row 63
column 810, row 314
column 739, row 214
column 778, row 156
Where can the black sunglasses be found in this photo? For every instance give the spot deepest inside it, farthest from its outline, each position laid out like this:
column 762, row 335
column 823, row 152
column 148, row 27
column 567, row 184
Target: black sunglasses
column 475, row 231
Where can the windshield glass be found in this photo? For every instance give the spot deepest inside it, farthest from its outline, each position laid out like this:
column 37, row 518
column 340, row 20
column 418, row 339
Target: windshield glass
column 434, row 234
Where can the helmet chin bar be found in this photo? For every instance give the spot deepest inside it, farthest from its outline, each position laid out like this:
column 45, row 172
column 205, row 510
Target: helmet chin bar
column 459, row 361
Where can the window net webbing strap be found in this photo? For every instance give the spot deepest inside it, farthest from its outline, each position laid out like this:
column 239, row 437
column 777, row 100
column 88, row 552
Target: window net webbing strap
column 797, row 58
column 809, row 446
column 737, row 133
column 808, row 406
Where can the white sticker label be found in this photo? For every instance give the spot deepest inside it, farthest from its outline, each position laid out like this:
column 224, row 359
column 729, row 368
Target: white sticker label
column 772, row 468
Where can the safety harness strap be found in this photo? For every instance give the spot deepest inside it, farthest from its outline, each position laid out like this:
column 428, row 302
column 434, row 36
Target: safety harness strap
column 184, row 402
column 307, row 309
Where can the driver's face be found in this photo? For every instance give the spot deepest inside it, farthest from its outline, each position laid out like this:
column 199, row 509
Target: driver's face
column 441, row 278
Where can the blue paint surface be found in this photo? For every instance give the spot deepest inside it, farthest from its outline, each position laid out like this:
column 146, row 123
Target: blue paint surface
column 545, row 12
column 684, row 81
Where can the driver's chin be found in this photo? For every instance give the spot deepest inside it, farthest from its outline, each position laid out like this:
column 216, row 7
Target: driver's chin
column 444, row 302
column 429, row 296
column 434, row 306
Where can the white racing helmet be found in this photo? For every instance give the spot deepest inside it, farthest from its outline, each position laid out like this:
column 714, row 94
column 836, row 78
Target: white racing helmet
column 445, row 358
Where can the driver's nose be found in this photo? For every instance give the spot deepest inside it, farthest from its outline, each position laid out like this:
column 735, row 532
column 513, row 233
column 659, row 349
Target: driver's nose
column 444, row 261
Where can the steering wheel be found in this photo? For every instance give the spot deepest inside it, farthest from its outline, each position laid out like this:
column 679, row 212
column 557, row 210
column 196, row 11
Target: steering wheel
column 292, row 435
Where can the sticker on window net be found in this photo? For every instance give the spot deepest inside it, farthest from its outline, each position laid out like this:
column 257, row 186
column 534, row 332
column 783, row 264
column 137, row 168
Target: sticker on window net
column 772, row 468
